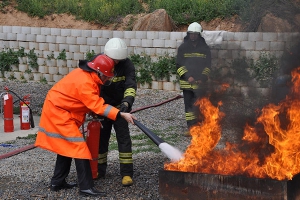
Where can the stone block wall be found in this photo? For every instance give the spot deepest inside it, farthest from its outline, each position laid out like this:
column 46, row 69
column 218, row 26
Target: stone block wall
column 47, row 42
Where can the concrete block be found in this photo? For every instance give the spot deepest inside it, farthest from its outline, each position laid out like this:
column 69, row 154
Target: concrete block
column 253, row 54
column 238, row 54
column 224, row 54
column 62, row 47
column 25, row 45
column 147, row 43
column 48, row 77
column 130, row 50
column 107, row 34
column 96, row 48
column 71, row 40
column 92, row 41
column 26, row 30
column 272, row 37
column 43, row 46
column 41, row 61
column 53, row 47
column 277, row 46
column 255, row 36
column 65, row 32
column 102, row 41
column 35, row 30
column 13, row 44
column 170, row 43
column 129, row 34
column 233, row 44
column 228, row 36
column 97, row 33
column 86, row 33
column 159, row 43
column 1, row 29
column 136, row 42
column 78, row 56
column 31, row 38
column 11, row 36
column 74, row 48
column 45, row 31
column 150, row 51
column 262, row 46
column 21, row 37
column 178, row 43
column 152, row 34
column 163, row 35
column 214, row 53
column 141, row 34
column 40, row 38
column 72, row 63
column 248, row 45
column 118, row 34
column 127, row 41
column 6, row 29
column 161, row 51
column 3, row 44
column 3, row 36
column 50, row 39
column 240, row 36
column 33, row 45
column 76, row 33
column 70, row 55
column 84, row 48
column 81, row 40
column 55, row 31
column 61, row 39
column 16, row 29
column 138, row 50
column 172, row 52
column 46, row 54
column 176, row 36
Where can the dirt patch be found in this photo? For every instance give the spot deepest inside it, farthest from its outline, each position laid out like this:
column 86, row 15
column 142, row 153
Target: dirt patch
column 13, row 17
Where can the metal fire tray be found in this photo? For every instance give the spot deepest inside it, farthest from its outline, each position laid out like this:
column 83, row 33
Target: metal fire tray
column 175, row 185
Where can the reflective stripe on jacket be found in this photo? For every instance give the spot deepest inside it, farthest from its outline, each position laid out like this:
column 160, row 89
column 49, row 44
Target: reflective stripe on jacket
column 64, row 110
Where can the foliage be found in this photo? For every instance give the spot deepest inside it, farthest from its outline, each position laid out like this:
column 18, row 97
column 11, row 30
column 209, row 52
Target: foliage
column 90, row 55
column 43, row 80
column 51, row 56
column 164, row 67
column 265, row 67
column 111, row 11
column 8, row 57
column 32, row 59
column 62, row 55
column 142, row 64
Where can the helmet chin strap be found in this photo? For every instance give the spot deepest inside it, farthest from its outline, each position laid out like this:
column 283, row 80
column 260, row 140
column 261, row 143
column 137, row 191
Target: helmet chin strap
column 105, row 80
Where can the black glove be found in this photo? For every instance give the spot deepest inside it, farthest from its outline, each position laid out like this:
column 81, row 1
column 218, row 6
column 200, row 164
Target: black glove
column 124, row 107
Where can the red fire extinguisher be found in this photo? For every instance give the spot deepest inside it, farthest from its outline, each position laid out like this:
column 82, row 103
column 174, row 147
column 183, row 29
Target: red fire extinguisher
column 8, row 113
column 92, row 140
column 25, row 113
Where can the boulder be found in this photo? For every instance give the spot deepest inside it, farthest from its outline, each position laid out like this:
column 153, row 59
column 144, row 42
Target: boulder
column 158, row 20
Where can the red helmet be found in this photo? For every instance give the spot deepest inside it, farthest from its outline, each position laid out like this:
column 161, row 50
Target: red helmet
column 104, row 64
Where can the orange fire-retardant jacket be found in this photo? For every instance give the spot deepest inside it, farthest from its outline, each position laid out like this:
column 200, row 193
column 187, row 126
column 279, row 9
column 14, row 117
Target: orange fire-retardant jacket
column 64, row 110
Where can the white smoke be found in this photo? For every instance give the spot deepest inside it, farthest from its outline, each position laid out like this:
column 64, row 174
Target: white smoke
column 171, row 152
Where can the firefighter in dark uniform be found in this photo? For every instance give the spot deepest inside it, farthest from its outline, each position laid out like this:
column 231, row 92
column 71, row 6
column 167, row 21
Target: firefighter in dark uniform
column 193, row 67
column 120, row 93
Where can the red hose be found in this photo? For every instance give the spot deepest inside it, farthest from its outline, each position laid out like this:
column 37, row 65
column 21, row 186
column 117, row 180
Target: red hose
column 15, row 152
column 26, row 148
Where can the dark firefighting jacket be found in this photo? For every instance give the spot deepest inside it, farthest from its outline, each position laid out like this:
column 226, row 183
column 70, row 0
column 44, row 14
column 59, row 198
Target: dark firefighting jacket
column 123, row 86
column 193, row 61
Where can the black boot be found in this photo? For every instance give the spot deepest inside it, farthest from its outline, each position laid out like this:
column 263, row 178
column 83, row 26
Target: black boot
column 92, row 192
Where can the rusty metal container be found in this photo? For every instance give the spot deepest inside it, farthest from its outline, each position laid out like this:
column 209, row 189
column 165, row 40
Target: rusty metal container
column 174, row 185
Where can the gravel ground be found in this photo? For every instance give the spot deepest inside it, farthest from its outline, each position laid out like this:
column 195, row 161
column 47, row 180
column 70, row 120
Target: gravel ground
column 27, row 174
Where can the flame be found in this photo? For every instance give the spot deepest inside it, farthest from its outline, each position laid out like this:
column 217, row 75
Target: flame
column 269, row 149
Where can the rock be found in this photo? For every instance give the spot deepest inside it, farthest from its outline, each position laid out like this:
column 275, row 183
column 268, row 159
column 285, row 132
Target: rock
column 159, row 20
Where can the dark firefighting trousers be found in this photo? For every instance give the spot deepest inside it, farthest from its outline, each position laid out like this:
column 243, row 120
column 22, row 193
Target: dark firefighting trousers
column 62, row 169
column 192, row 113
column 124, row 146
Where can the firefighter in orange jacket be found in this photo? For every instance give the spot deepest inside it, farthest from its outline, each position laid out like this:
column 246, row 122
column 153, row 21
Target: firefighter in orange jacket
column 63, row 113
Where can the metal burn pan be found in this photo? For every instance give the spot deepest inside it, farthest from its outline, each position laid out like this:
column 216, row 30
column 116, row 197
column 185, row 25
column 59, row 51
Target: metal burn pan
column 175, row 185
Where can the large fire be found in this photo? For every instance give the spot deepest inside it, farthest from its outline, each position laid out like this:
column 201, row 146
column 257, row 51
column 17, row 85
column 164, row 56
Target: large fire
column 271, row 133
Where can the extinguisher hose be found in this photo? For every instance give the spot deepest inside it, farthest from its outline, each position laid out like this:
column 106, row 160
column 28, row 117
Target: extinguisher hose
column 150, row 134
column 30, row 111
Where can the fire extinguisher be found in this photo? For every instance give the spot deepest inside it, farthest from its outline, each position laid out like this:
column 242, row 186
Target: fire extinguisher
column 8, row 112
column 25, row 113
column 92, row 140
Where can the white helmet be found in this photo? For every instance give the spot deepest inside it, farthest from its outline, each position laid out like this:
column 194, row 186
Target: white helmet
column 116, row 49
column 195, row 27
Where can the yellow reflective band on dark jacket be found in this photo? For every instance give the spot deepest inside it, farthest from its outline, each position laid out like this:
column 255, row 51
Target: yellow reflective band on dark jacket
column 190, row 116
column 193, row 55
column 187, row 85
column 206, row 71
column 130, row 92
column 125, row 158
column 118, row 79
column 181, row 71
